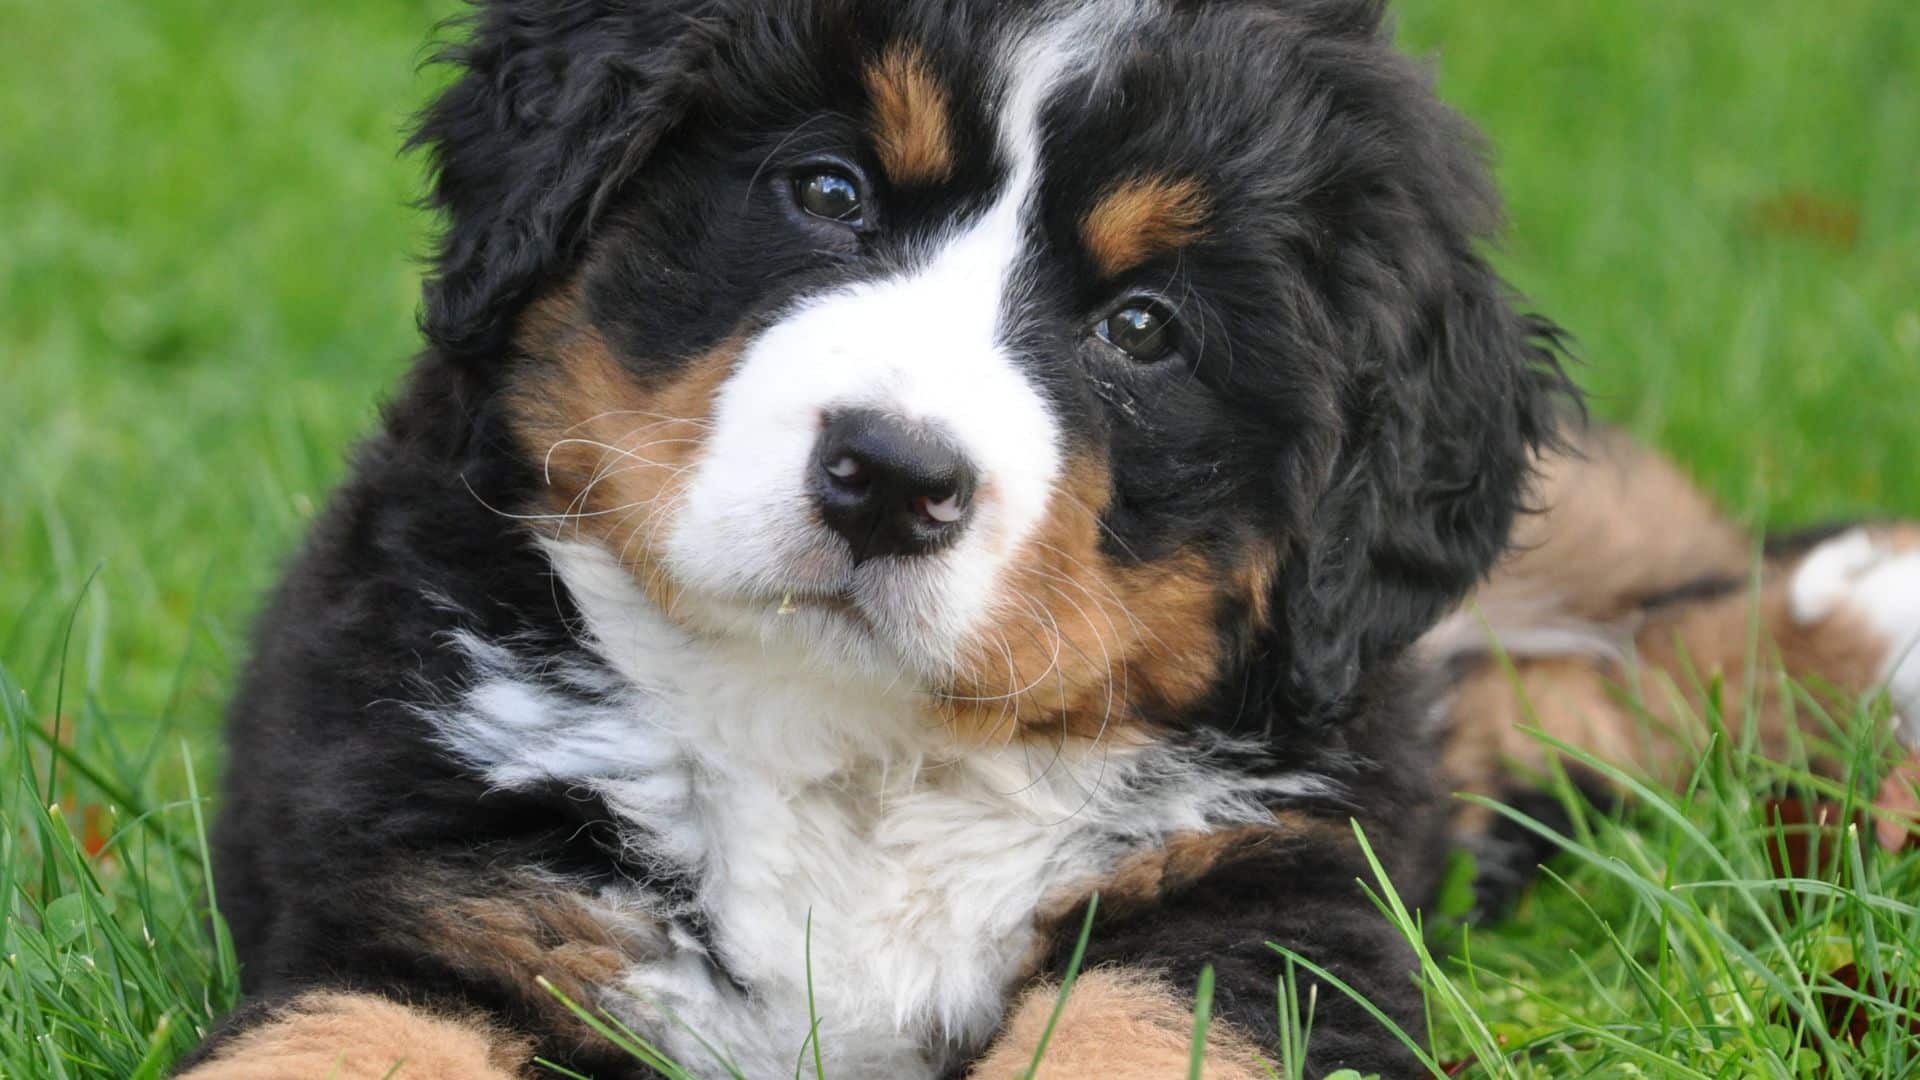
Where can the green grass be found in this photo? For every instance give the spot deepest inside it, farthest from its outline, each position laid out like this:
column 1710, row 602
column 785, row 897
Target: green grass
column 208, row 276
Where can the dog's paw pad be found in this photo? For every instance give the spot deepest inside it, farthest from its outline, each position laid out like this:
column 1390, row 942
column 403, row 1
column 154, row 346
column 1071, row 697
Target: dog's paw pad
column 1874, row 576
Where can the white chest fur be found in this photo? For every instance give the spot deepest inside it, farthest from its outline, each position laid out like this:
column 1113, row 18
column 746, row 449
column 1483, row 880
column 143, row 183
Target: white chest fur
column 793, row 799
column 917, row 896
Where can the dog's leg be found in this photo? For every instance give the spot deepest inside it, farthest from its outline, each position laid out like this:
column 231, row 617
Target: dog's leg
column 1630, row 601
column 1646, row 706
column 361, row 1037
column 1118, row 1024
column 1213, row 899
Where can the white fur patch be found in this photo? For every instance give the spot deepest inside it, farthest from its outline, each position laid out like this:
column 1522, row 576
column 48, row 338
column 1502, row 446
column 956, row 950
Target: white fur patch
column 1868, row 576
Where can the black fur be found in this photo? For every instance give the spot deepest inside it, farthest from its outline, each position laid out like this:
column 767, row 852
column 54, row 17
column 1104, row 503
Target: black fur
column 558, row 104
column 1365, row 396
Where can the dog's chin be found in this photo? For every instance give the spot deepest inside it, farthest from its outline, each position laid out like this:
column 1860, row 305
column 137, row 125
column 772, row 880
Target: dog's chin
column 860, row 625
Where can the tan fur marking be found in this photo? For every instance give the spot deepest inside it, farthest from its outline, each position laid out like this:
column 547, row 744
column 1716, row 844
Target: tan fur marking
column 1620, row 524
column 361, row 1037
column 516, row 939
column 1678, row 660
column 1648, row 714
column 1256, row 579
column 1080, row 640
column 1140, row 218
column 1117, row 1025
column 1682, row 654
column 1570, row 698
column 1146, row 878
column 911, row 123
column 1900, row 536
column 617, row 452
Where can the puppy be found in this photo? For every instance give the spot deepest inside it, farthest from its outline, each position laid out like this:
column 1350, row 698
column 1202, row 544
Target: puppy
column 882, row 473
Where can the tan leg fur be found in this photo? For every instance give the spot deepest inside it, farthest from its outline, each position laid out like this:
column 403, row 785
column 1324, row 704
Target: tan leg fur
column 360, row 1037
column 1117, row 1025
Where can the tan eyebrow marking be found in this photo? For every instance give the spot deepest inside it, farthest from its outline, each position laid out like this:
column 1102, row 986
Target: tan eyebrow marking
column 1143, row 217
column 911, row 124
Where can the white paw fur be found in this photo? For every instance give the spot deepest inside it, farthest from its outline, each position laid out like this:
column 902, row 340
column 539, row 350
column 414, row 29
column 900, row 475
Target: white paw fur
column 1875, row 577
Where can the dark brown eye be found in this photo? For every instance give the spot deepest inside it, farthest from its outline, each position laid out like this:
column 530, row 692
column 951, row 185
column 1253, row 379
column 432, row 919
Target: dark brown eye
column 1143, row 329
column 831, row 194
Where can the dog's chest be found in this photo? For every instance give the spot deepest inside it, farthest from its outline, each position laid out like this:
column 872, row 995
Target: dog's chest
column 819, row 857
column 824, row 853
column 895, row 907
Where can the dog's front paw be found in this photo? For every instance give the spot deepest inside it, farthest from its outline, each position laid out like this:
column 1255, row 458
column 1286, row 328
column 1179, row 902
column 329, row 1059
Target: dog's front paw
column 1871, row 575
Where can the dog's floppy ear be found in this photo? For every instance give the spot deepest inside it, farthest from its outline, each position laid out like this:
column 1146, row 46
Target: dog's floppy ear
column 1441, row 429
column 556, row 104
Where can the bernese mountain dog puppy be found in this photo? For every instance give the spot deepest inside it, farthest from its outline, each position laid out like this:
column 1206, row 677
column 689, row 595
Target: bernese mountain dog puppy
column 883, row 472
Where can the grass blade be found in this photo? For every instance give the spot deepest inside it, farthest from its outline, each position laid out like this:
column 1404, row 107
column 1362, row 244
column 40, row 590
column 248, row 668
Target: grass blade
column 1066, row 986
column 1202, row 1018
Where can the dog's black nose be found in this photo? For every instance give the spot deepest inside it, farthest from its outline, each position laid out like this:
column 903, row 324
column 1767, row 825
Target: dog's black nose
column 890, row 487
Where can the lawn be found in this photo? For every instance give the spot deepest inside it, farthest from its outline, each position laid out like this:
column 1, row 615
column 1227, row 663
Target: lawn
column 208, row 274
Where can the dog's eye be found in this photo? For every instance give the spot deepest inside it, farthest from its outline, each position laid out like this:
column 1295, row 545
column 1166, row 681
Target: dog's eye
column 1142, row 328
column 831, row 194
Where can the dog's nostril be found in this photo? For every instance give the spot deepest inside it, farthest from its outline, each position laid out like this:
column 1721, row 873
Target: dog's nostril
column 944, row 511
column 890, row 487
column 845, row 469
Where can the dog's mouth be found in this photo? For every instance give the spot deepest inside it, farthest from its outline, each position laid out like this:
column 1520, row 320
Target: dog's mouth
column 795, row 601
column 898, row 604
column 892, row 605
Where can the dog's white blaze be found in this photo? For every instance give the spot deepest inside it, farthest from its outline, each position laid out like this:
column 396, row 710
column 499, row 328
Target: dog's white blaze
column 924, row 345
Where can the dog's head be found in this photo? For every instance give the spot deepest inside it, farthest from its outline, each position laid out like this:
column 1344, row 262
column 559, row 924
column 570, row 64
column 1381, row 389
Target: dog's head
column 1063, row 358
